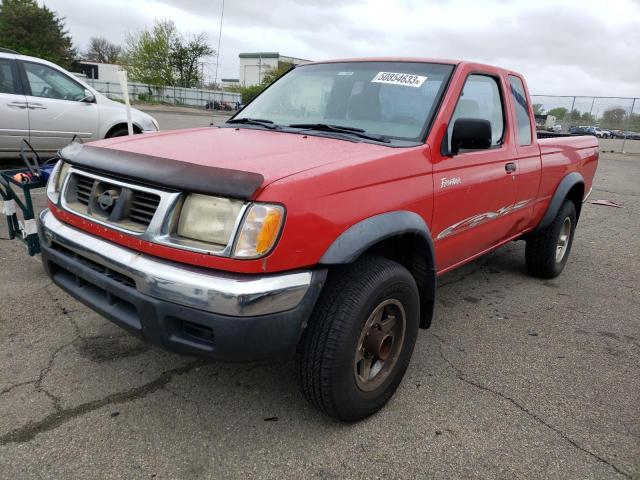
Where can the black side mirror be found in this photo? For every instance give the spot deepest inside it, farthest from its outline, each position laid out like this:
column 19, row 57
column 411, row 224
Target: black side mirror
column 470, row 134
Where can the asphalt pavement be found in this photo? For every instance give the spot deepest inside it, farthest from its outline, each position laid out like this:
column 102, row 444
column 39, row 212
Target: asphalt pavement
column 517, row 378
column 171, row 118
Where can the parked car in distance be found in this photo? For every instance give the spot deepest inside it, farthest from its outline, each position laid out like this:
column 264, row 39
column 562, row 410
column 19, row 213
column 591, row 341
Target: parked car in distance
column 588, row 130
column 617, row 134
column 314, row 223
column 219, row 105
column 556, row 128
column 45, row 104
column 625, row 134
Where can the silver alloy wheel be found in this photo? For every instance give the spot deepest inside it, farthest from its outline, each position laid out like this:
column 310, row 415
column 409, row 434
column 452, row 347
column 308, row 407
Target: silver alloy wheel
column 379, row 345
column 563, row 240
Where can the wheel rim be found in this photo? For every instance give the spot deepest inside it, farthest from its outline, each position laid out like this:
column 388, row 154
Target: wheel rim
column 379, row 345
column 563, row 240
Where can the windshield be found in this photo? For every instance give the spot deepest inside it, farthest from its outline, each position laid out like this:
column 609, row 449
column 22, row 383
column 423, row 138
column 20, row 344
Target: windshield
column 394, row 99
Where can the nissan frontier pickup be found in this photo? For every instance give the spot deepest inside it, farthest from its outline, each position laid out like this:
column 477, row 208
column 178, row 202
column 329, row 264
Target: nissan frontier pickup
column 314, row 223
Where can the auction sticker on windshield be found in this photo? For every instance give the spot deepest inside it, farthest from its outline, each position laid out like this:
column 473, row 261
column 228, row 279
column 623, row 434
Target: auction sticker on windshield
column 406, row 79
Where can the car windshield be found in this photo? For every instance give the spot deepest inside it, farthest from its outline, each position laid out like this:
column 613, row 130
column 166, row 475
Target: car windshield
column 394, row 99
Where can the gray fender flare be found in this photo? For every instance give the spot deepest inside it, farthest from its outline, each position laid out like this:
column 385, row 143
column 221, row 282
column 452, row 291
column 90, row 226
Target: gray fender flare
column 358, row 238
column 565, row 185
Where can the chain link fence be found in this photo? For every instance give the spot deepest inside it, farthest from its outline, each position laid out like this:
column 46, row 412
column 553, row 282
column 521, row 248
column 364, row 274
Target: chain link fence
column 188, row 97
column 614, row 120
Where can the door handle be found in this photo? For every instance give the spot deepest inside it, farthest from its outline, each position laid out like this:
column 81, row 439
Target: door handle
column 510, row 167
column 17, row 105
column 36, row 106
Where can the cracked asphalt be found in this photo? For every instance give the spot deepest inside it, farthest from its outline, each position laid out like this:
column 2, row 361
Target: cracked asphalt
column 517, row 378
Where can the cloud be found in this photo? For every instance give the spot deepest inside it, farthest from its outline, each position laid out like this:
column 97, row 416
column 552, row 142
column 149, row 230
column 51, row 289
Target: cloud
column 571, row 47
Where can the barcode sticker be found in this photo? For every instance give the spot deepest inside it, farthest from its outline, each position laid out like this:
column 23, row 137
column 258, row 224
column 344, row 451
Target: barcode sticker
column 404, row 79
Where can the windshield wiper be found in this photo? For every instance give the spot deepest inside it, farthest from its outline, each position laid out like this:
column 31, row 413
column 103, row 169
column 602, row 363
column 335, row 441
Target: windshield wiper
column 254, row 121
column 325, row 127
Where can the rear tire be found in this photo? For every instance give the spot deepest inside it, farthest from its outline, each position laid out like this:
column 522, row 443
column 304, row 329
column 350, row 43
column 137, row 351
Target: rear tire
column 547, row 251
column 360, row 338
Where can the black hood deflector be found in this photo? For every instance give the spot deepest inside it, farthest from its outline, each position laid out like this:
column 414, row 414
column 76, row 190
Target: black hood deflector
column 164, row 172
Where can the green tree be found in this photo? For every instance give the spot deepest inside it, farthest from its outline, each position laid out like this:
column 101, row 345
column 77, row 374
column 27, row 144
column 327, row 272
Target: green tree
column 587, row 118
column 162, row 56
column 272, row 75
column 147, row 54
column 248, row 93
column 576, row 115
column 558, row 112
column 185, row 56
column 538, row 109
column 614, row 117
column 102, row 50
column 37, row 31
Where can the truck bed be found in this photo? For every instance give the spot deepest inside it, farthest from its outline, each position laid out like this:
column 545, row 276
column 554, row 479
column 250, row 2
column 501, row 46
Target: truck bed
column 544, row 134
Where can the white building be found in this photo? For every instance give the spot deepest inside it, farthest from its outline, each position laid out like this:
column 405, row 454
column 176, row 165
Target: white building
column 253, row 66
column 230, row 82
column 105, row 72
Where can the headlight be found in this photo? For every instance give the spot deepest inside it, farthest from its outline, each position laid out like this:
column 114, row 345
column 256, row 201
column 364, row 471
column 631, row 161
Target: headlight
column 259, row 230
column 56, row 180
column 208, row 219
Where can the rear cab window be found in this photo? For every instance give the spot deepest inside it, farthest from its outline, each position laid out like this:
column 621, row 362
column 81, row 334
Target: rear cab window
column 521, row 108
column 481, row 99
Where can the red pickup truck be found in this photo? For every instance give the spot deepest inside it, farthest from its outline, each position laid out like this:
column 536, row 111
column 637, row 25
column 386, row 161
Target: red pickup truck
column 315, row 222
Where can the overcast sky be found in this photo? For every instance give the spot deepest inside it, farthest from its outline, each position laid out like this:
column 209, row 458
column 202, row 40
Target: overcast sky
column 562, row 47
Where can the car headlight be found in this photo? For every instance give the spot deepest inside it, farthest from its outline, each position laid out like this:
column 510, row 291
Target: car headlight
column 208, row 219
column 56, row 180
column 259, row 230
column 147, row 122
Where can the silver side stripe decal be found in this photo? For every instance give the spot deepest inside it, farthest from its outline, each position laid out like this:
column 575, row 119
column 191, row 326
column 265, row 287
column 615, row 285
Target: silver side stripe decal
column 480, row 218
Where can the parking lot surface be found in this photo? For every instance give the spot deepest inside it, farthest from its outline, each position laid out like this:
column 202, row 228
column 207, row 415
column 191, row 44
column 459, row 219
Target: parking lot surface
column 171, row 118
column 517, row 378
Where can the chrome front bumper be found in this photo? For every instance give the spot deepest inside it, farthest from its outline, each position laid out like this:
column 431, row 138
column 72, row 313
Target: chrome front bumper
column 223, row 293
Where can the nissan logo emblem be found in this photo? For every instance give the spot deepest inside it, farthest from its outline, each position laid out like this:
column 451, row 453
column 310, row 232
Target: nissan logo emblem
column 107, row 199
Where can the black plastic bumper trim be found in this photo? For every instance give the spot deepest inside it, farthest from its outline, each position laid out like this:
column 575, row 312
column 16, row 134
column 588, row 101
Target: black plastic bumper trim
column 183, row 329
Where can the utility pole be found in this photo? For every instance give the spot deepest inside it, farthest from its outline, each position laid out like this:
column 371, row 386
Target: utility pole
column 215, row 80
column 626, row 129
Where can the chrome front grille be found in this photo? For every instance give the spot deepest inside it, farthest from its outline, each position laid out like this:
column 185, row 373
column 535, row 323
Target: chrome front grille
column 143, row 206
column 122, row 205
column 83, row 189
column 149, row 213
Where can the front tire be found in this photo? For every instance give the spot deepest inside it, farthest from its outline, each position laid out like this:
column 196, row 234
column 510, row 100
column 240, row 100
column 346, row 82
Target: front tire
column 360, row 338
column 547, row 251
column 122, row 131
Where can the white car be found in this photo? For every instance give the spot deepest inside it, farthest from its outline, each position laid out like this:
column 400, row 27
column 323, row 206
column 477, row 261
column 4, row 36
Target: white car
column 47, row 105
column 600, row 133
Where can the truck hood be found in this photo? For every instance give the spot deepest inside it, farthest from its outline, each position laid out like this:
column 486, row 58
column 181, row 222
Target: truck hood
column 219, row 155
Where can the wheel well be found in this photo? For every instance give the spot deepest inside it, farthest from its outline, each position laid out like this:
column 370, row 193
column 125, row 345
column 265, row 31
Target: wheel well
column 136, row 129
column 576, row 194
column 414, row 253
